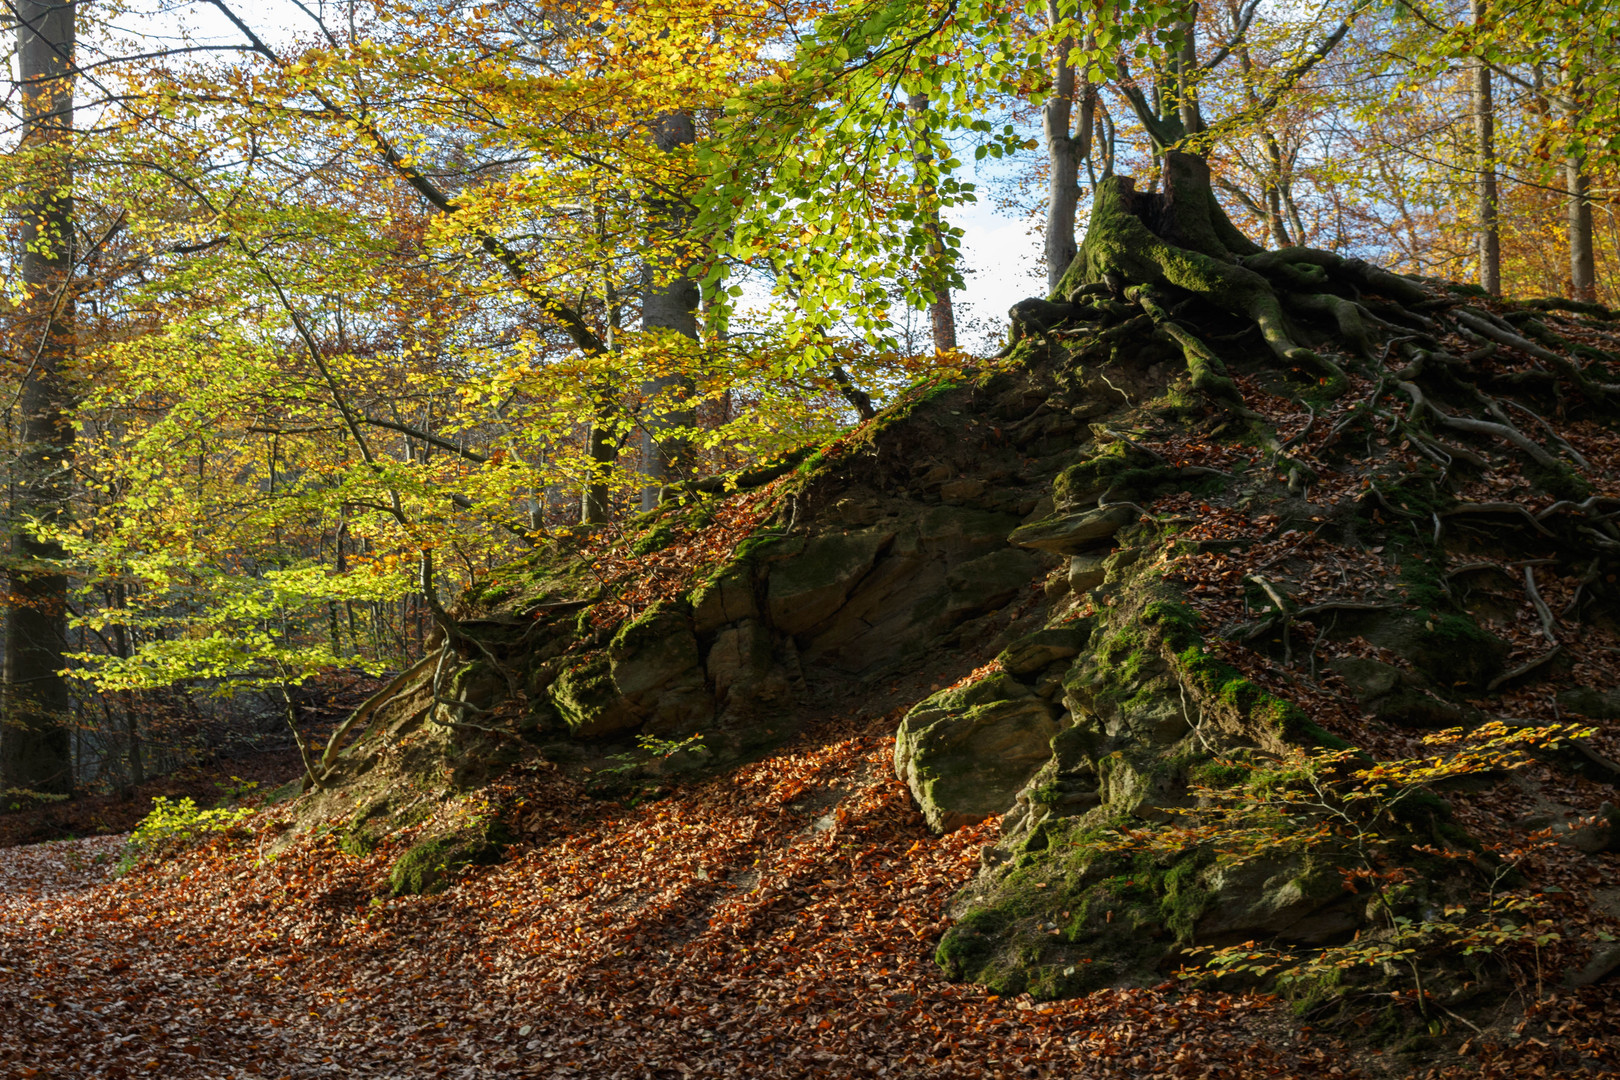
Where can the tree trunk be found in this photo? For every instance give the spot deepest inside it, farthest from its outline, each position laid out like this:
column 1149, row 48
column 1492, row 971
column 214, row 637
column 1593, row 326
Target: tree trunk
column 1062, row 163
column 1275, row 224
column 941, row 312
column 132, row 720
column 669, row 303
column 1578, row 207
column 1490, row 240
column 595, row 506
column 36, row 750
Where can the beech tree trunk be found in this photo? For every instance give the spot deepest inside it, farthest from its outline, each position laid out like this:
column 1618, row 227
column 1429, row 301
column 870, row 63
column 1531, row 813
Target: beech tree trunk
column 669, row 302
column 1490, row 239
column 595, row 504
column 1578, row 204
column 1065, row 150
column 942, row 312
column 36, row 751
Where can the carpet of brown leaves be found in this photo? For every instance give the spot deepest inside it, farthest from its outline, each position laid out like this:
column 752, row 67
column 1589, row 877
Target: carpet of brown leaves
column 776, row 922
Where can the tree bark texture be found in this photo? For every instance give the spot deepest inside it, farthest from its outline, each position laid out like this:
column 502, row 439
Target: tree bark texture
column 35, row 745
column 942, row 312
column 1062, row 163
column 601, row 450
column 1490, row 238
column 1578, row 204
column 669, row 302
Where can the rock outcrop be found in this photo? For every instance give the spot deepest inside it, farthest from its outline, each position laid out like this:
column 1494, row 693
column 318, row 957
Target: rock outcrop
column 1148, row 582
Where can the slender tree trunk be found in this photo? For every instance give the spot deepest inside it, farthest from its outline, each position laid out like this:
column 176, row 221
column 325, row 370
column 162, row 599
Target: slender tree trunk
column 1062, row 164
column 1274, row 195
column 1186, row 81
column 596, row 505
column 1490, row 239
column 36, row 750
column 669, row 302
column 132, row 720
column 942, row 312
column 1578, row 207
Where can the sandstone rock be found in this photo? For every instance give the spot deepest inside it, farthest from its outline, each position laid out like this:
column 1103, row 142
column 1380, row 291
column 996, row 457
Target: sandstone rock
column 1131, row 786
column 1087, row 571
column 920, row 587
column 1157, row 721
column 588, row 702
column 1070, row 534
column 989, row 581
column 725, row 598
column 1286, row 897
column 962, row 491
column 965, row 754
column 742, row 669
column 1032, row 653
column 652, row 652
column 655, row 666
column 810, row 587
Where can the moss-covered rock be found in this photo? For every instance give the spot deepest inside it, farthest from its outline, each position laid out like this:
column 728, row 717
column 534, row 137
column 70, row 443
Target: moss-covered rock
column 1063, row 917
column 1034, row 652
column 808, row 588
column 965, row 754
column 431, row 865
column 1069, row 534
column 587, row 700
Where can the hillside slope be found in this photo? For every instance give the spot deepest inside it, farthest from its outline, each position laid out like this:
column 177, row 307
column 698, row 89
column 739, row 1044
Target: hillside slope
column 1117, row 587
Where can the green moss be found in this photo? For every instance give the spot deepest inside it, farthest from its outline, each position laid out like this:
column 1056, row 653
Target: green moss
column 659, row 537
column 423, row 869
column 428, row 866
column 1118, row 468
column 290, row 790
column 496, row 594
column 1072, row 917
column 1177, row 622
column 1220, row 774
column 768, row 548
column 1423, row 584
column 582, row 691
column 1047, row 794
column 1459, row 631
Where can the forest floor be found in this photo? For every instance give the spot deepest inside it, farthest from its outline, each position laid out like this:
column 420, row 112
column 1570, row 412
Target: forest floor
column 777, row 921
